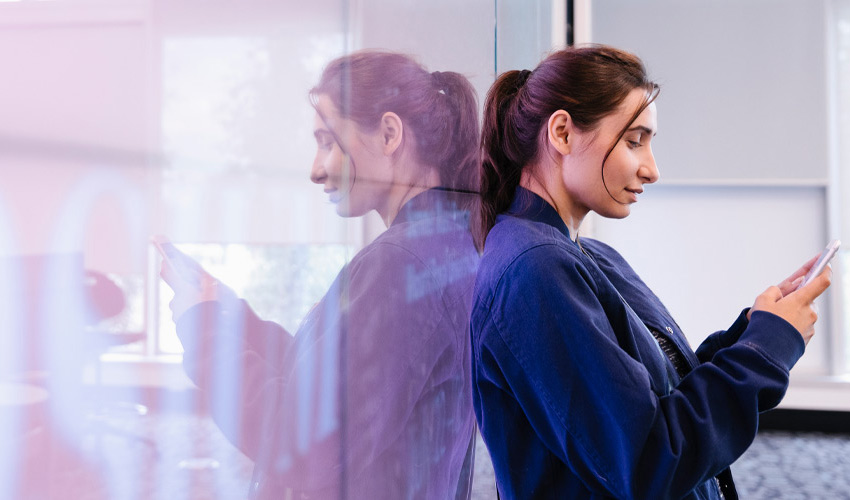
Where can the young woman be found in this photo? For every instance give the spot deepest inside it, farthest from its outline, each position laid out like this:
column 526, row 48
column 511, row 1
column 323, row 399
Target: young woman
column 371, row 397
column 584, row 385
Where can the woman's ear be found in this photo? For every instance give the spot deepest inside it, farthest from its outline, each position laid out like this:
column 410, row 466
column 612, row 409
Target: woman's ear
column 392, row 132
column 559, row 128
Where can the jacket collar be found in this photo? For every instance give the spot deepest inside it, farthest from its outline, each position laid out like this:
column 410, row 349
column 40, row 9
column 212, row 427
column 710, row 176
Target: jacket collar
column 435, row 202
column 529, row 205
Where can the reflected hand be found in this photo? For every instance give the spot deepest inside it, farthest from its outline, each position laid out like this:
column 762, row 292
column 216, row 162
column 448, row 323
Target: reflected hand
column 191, row 283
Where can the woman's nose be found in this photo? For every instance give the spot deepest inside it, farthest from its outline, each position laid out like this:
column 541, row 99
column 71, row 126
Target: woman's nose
column 649, row 170
column 318, row 174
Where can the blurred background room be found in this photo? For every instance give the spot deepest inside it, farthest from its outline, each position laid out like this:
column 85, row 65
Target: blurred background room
column 124, row 119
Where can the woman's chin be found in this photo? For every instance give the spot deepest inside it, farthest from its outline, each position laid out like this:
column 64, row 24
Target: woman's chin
column 620, row 212
column 343, row 209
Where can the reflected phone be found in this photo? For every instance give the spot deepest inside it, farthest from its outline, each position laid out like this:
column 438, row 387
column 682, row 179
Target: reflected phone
column 825, row 256
column 183, row 266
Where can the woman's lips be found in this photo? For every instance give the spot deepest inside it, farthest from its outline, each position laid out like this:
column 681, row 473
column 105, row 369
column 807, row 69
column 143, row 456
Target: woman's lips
column 633, row 193
column 333, row 195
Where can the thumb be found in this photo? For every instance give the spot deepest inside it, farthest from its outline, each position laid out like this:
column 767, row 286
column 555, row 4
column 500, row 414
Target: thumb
column 816, row 286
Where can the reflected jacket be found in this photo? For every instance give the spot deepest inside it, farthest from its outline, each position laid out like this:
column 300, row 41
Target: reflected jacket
column 573, row 396
column 371, row 397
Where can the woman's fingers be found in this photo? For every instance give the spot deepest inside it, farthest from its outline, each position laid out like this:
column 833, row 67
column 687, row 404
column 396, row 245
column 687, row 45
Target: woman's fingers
column 790, row 284
column 816, row 286
column 796, row 307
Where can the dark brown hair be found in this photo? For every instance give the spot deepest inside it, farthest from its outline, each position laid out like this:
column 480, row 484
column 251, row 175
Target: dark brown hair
column 588, row 82
column 440, row 108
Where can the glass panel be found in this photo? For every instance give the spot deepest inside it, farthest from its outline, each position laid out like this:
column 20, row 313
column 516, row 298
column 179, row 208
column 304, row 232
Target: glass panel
column 523, row 33
column 124, row 120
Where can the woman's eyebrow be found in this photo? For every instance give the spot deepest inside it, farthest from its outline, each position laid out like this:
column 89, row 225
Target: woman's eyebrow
column 642, row 128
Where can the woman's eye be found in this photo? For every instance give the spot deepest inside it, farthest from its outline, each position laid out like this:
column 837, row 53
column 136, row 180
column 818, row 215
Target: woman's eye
column 633, row 144
column 324, row 144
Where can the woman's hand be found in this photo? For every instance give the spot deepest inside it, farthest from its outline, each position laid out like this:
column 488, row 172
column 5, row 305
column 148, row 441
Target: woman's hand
column 792, row 305
column 792, row 282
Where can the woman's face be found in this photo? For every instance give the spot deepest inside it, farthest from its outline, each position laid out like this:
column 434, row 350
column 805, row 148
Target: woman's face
column 611, row 189
column 349, row 163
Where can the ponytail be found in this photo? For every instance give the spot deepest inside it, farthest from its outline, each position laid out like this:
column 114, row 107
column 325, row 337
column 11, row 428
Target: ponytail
column 454, row 132
column 507, row 145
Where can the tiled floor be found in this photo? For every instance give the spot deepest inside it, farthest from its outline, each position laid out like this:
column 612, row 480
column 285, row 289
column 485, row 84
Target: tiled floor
column 782, row 465
column 180, row 457
column 778, row 466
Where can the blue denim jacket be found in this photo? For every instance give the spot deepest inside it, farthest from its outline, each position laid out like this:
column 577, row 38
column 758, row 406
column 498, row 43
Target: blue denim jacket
column 571, row 392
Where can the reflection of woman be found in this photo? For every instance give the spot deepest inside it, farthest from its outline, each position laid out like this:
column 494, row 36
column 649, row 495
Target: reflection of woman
column 370, row 399
column 584, row 385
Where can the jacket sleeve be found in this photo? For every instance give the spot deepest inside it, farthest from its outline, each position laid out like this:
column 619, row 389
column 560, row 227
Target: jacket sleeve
column 719, row 340
column 725, row 338
column 338, row 393
column 231, row 354
column 207, row 323
column 592, row 403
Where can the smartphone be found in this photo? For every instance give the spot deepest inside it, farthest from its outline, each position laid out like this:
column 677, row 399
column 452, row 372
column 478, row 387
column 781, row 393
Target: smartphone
column 825, row 256
column 183, row 266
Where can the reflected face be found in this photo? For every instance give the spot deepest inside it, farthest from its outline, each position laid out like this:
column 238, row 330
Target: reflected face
column 630, row 165
column 349, row 162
